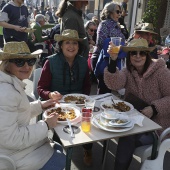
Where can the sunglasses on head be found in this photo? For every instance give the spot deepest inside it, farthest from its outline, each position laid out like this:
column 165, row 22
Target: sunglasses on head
column 21, row 62
column 142, row 53
column 118, row 12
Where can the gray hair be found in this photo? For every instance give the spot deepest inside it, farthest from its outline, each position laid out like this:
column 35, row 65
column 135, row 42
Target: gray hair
column 108, row 9
column 39, row 17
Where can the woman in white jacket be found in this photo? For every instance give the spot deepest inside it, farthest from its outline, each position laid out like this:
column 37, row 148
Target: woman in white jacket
column 26, row 144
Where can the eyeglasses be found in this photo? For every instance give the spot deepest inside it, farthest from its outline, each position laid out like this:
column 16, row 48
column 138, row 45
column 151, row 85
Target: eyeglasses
column 118, row 12
column 141, row 53
column 92, row 30
column 21, row 62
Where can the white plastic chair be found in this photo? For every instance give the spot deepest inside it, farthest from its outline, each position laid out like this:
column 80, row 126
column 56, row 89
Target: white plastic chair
column 36, row 77
column 7, row 162
column 157, row 164
column 144, row 152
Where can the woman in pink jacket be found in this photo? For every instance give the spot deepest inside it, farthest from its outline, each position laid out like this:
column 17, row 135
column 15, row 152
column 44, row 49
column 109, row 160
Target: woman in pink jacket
column 149, row 81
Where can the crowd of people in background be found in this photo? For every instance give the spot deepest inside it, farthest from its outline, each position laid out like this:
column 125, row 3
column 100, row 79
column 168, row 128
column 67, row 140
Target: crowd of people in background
column 79, row 54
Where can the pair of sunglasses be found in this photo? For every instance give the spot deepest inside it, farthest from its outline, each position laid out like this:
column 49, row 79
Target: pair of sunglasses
column 21, row 62
column 118, row 12
column 142, row 53
column 92, row 30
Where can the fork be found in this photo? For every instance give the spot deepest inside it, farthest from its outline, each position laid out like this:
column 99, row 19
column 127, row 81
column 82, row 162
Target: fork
column 113, row 100
column 71, row 130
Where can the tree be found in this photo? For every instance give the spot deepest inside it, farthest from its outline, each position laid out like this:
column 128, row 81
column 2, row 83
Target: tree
column 152, row 12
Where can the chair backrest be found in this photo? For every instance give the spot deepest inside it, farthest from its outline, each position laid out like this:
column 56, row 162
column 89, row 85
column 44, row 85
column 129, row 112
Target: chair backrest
column 145, row 151
column 7, row 163
column 157, row 164
column 36, row 77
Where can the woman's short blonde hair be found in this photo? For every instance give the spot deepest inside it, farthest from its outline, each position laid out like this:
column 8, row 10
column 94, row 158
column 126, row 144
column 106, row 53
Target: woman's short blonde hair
column 4, row 65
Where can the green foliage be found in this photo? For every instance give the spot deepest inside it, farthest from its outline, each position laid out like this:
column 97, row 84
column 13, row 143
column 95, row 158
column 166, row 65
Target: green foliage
column 152, row 12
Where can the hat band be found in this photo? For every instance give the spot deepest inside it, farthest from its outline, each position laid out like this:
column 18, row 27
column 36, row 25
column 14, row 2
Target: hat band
column 148, row 29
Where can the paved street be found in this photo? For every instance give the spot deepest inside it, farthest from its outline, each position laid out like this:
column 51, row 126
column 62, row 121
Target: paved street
column 77, row 157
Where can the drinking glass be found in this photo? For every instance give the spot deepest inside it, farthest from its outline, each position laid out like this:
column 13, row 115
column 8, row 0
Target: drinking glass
column 86, row 121
column 116, row 41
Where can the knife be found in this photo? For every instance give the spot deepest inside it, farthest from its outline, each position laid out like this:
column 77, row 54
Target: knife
column 104, row 97
column 71, row 130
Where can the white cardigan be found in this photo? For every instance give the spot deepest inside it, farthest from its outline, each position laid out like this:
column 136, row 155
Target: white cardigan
column 26, row 144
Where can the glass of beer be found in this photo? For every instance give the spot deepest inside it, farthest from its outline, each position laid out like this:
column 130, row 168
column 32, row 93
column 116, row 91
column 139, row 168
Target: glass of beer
column 86, row 119
column 116, row 41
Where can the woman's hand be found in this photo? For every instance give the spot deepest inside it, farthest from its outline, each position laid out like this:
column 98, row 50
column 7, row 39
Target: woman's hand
column 111, row 51
column 51, row 120
column 48, row 104
column 147, row 111
column 55, row 95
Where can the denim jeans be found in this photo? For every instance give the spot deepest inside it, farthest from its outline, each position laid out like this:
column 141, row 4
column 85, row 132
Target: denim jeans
column 57, row 161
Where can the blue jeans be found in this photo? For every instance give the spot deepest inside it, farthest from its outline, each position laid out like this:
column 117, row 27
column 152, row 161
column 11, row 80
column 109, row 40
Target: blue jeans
column 57, row 161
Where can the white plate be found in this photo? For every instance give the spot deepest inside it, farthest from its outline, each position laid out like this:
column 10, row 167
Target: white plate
column 29, row 30
column 113, row 122
column 109, row 103
column 96, row 123
column 76, row 109
column 77, row 95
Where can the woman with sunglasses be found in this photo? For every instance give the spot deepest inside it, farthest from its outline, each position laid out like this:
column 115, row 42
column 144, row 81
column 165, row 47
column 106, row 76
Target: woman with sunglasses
column 147, row 81
column 26, row 144
column 107, row 28
column 64, row 73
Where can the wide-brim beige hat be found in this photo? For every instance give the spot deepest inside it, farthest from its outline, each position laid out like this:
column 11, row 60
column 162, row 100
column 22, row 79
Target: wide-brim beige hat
column 68, row 34
column 147, row 27
column 137, row 45
column 14, row 49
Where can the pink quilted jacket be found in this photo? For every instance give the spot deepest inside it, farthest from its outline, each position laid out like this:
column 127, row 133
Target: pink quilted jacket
column 153, row 87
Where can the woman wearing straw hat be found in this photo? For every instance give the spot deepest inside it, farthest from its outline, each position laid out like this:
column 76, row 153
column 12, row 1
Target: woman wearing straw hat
column 66, row 72
column 146, row 79
column 26, row 144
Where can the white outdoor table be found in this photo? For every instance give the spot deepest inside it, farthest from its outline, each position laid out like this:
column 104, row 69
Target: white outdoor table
column 96, row 135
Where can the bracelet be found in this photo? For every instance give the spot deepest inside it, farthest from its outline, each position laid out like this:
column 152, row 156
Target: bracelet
column 47, row 125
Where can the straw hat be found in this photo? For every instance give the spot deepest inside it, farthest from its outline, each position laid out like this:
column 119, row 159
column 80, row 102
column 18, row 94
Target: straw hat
column 137, row 45
column 13, row 50
column 145, row 27
column 67, row 34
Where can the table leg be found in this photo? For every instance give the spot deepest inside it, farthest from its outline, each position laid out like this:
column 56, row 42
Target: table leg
column 105, row 153
column 69, row 152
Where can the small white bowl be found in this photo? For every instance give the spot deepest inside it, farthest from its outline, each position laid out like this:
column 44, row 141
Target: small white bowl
column 110, row 114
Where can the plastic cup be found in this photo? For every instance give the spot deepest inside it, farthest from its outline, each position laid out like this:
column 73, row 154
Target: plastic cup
column 116, row 41
column 86, row 121
column 89, row 103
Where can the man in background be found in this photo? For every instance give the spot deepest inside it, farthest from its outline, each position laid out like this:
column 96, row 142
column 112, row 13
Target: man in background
column 122, row 18
column 71, row 13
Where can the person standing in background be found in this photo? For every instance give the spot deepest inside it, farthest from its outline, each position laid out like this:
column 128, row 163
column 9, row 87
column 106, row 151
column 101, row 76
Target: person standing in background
column 122, row 18
column 107, row 28
column 14, row 18
column 71, row 13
